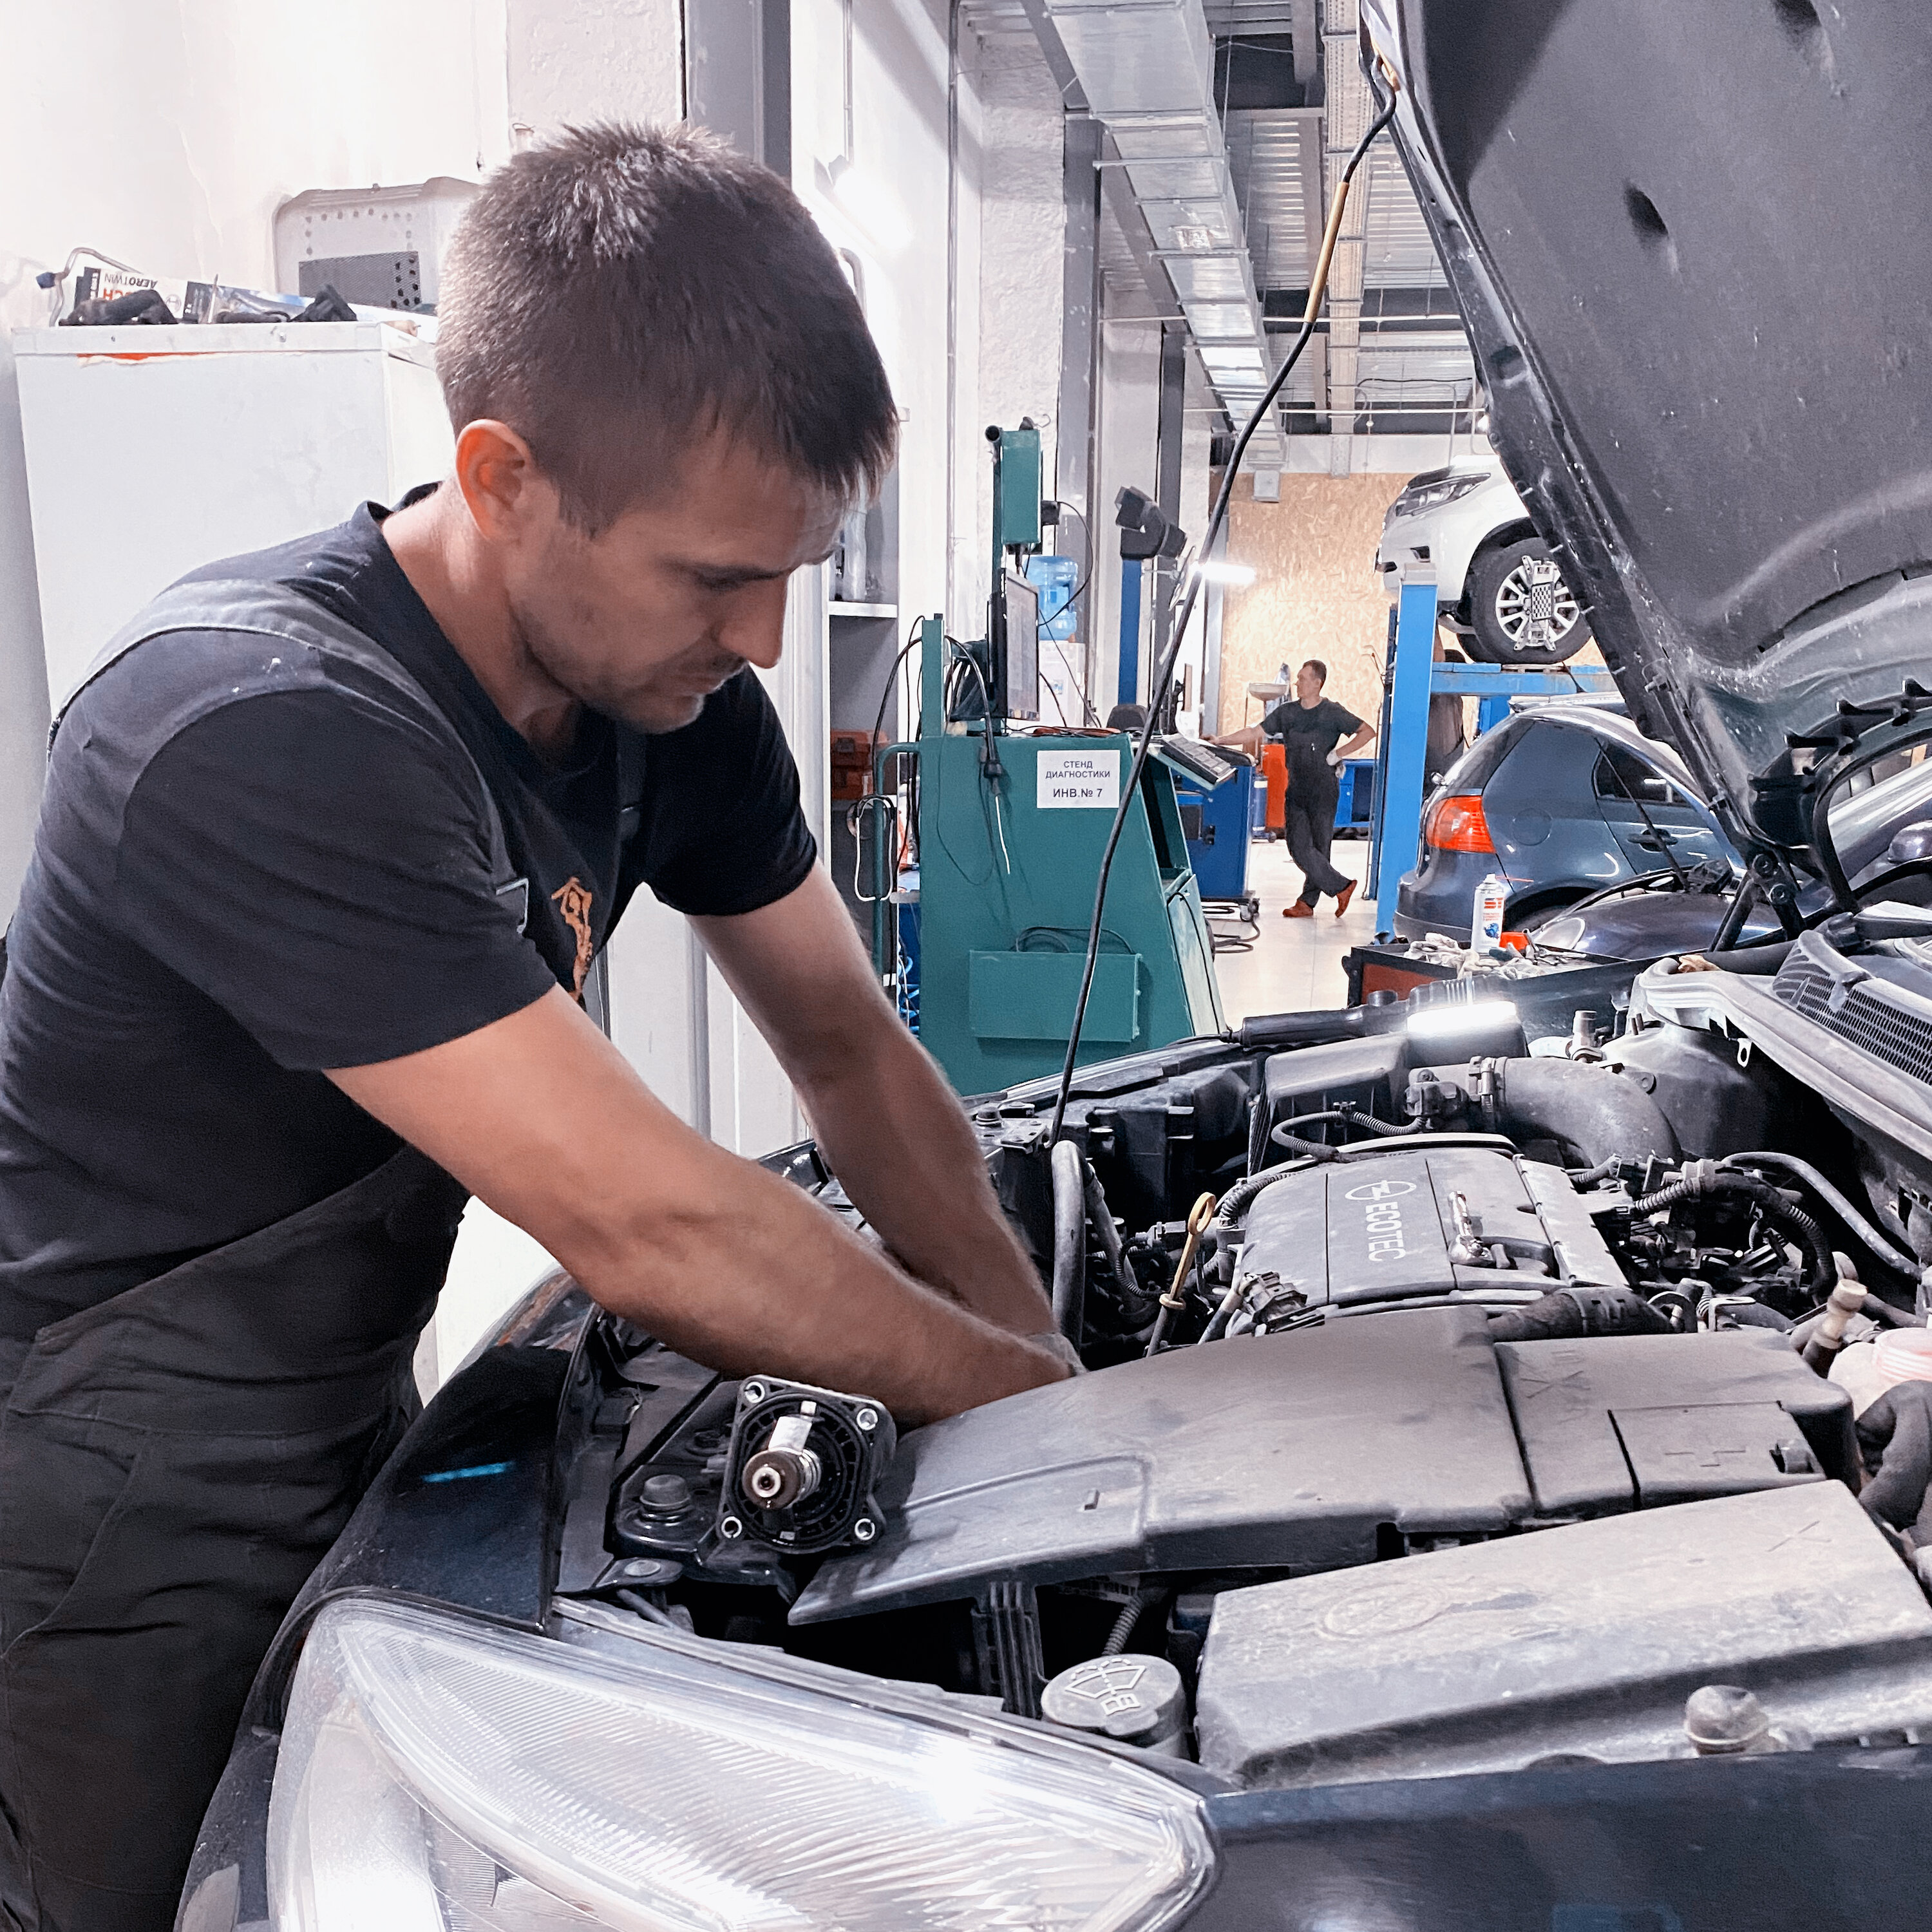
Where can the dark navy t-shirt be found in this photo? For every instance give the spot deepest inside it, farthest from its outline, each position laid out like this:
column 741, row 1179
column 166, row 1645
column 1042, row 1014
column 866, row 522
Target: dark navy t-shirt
column 1309, row 732
column 300, row 879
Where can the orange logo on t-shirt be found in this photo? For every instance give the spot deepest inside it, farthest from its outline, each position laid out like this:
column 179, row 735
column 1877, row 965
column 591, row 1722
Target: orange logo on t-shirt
column 573, row 900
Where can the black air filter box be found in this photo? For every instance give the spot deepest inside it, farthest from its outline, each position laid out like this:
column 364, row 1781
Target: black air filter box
column 1368, row 1074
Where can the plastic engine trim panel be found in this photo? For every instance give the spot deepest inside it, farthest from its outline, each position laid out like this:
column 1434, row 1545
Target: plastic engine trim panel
column 1587, row 1639
column 1278, row 1452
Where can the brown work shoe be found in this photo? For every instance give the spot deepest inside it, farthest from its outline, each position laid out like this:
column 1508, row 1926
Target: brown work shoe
column 1342, row 898
column 1297, row 910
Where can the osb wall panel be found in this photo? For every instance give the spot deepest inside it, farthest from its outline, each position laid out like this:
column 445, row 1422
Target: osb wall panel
column 1315, row 594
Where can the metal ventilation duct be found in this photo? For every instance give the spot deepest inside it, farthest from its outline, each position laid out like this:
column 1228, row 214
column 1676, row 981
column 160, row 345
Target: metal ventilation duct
column 1146, row 68
column 1351, row 107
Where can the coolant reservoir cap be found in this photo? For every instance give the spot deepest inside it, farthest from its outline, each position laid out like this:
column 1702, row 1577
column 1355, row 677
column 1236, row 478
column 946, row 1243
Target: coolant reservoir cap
column 1135, row 1700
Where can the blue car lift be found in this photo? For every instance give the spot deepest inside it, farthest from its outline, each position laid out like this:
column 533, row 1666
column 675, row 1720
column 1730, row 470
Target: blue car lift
column 1413, row 678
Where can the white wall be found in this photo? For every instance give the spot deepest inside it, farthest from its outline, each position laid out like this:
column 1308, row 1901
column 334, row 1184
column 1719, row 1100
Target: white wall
column 1022, row 228
column 1129, row 382
column 899, row 70
column 570, row 61
column 166, row 136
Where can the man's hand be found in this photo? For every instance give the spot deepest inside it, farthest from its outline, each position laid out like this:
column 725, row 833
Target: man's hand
column 540, row 1116
column 889, row 1126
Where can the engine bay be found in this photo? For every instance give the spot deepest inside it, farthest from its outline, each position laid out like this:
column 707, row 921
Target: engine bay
column 1454, row 1402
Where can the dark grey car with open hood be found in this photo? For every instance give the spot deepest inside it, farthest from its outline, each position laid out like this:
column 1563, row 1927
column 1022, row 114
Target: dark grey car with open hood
column 1692, row 245
column 1469, row 1517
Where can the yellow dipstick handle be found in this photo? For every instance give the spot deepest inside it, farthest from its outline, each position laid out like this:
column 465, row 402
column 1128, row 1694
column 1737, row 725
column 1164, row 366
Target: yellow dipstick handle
column 1197, row 1226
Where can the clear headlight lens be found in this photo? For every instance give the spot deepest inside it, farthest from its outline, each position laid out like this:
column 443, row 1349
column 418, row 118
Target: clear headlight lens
column 1433, row 496
column 438, row 1775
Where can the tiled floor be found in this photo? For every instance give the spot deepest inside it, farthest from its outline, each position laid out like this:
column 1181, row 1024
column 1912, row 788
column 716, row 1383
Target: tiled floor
column 1296, row 964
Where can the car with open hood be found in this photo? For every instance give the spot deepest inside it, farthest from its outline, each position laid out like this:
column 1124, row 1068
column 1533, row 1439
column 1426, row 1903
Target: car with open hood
column 1461, row 1522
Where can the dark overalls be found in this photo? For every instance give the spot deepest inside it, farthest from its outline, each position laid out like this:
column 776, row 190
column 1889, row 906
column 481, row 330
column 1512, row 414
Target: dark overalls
column 1313, row 792
column 175, row 1460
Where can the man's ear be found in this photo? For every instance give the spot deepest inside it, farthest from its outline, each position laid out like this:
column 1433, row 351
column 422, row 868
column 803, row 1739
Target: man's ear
column 507, row 495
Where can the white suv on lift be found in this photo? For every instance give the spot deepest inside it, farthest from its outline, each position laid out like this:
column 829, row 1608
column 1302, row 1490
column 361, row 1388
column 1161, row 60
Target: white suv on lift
column 1496, row 581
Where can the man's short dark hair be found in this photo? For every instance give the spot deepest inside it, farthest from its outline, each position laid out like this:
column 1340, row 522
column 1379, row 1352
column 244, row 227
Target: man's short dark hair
column 1320, row 670
column 617, row 293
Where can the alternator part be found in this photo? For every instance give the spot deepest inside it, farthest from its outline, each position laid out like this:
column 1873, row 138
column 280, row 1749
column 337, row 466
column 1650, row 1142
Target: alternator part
column 802, row 1467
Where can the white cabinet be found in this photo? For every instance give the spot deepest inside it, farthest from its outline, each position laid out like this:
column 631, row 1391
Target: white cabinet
column 151, row 452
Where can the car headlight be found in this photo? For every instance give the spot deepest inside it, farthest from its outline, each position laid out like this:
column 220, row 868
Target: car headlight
column 436, row 1773
column 1433, row 496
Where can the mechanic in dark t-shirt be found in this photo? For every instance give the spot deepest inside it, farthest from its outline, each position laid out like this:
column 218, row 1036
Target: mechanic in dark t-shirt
column 326, row 855
column 1310, row 729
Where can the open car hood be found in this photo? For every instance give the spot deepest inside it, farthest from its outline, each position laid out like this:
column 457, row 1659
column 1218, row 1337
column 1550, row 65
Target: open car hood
column 1692, row 246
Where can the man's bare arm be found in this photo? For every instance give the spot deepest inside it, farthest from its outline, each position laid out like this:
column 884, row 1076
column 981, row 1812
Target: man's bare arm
column 892, row 1130
column 1250, row 739
column 542, row 1118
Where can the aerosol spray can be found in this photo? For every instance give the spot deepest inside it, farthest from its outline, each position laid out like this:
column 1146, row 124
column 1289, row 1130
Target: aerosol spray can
column 1486, row 926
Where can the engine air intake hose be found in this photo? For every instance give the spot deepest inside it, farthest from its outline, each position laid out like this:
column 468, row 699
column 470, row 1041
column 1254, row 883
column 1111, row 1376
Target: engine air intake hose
column 1602, row 1114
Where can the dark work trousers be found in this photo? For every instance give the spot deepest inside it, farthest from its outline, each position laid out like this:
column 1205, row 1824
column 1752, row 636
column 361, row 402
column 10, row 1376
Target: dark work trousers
column 174, row 1461
column 1312, row 792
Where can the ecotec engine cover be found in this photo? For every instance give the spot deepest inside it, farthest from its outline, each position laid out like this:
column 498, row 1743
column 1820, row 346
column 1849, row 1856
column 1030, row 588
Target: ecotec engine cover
column 1396, row 1226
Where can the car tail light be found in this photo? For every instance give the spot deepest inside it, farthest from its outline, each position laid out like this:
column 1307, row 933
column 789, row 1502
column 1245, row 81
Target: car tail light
column 1456, row 824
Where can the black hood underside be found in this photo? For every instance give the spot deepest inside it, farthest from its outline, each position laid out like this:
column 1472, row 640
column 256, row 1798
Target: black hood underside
column 1694, row 246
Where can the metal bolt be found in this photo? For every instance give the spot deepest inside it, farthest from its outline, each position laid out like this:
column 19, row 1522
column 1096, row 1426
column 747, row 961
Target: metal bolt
column 730, row 1525
column 1724, row 1721
column 752, row 1392
column 868, row 1419
column 864, row 1530
column 650, row 1570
